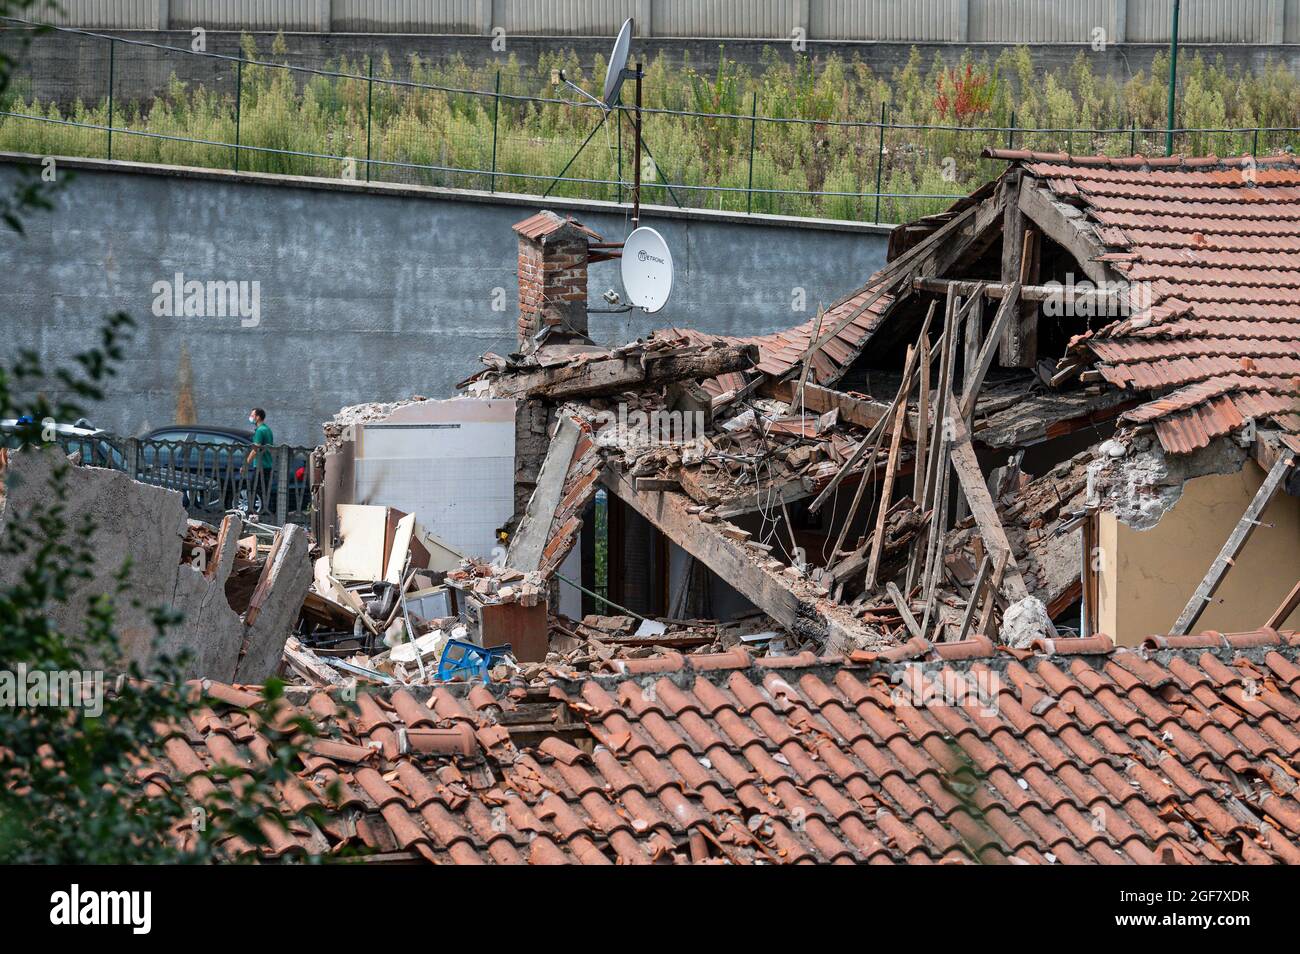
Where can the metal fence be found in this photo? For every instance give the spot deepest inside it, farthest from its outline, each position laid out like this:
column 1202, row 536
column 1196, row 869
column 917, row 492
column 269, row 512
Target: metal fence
column 953, row 21
column 211, row 478
column 360, row 121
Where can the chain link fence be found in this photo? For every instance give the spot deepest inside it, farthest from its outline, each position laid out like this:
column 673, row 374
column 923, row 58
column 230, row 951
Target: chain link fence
column 373, row 120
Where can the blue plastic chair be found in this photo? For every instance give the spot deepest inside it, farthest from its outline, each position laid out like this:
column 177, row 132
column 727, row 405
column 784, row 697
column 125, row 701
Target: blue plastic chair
column 462, row 660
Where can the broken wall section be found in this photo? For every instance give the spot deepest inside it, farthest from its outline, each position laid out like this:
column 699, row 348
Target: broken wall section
column 146, row 526
column 1145, row 575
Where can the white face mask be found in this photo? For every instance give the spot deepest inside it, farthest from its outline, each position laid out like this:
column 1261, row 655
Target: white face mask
column 251, row 419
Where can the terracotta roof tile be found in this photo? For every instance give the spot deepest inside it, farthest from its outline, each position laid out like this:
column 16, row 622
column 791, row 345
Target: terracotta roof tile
column 1077, row 753
column 544, row 224
column 781, row 351
column 1217, row 239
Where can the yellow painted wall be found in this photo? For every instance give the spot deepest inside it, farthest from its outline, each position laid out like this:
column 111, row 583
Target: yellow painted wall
column 1147, row 576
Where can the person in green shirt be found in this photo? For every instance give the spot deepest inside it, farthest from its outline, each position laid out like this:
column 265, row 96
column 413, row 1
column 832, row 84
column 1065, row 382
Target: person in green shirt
column 259, row 476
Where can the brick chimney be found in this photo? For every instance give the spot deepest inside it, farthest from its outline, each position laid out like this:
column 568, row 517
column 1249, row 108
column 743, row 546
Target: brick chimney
column 552, row 275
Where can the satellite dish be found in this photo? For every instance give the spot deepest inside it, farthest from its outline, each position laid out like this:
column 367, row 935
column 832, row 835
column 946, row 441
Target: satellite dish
column 647, row 268
column 617, row 63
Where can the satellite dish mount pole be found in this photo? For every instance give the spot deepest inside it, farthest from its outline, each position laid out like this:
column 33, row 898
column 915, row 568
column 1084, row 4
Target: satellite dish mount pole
column 636, row 73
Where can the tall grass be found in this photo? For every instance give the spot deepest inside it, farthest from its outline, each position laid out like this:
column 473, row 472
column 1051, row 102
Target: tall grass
column 287, row 120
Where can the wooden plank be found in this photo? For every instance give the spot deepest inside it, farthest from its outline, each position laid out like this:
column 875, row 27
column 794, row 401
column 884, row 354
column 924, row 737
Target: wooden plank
column 308, row 665
column 969, row 362
column 999, row 570
column 1065, row 225
column 976, row 592
column 922, row 425
column 982, row 508
column 936, row 472
column 1287, row 607
column 868, row 476
column 1013, row 239
column 765, row 496
column 899, row 407
column 1239, row 537
column 862, row 411
column 1028, row 316
column 1099, row 300
column 808, row 359
column 975, row 380
column 625, row 373
column 730, row 560
column 534, row 531
column 891, row 469
column 904, row 611
column 973, row 339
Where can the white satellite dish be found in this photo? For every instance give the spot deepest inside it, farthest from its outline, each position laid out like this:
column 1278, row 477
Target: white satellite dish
column 647, row 268
column 617, row 62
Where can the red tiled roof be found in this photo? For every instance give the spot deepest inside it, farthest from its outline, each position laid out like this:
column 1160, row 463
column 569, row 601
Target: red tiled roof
column 546, row 223
column 1214, row 245
column 1182, row 751
column 781, row 351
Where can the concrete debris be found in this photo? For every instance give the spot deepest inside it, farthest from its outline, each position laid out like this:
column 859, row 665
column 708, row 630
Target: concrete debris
column 1143, row 484
column 685, row 493
column 760, row 481
column 238, row 601
column 1025, row 621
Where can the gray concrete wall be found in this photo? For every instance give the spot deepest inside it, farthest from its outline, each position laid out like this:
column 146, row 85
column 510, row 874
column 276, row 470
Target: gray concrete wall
column 367, row 292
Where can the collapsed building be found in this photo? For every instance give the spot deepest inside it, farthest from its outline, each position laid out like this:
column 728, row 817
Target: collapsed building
column 1047, row 413
column 941, row 574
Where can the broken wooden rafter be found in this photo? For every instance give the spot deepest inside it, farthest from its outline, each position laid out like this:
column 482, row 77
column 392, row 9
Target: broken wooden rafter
column 1098, row 298
column 1239, row 537
column 1067, row 226
column 935, row 494
column 995, row 584
column 976, row 595
column 873, row 435
column 899, row 409
column 982, row 507
column 1285, row 608
column 862, row 411
column 529, row 541
column 891, row 465
column 806, row 616
column 856, row 562
column 808, row 359
column 615, row 374
column 975, row 376
column 904, row 611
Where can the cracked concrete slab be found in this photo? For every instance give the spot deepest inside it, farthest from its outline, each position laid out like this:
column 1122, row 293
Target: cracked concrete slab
column 142, row 527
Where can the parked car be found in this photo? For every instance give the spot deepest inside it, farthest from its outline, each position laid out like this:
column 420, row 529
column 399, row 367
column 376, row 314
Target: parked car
column 92, row 443
column 205, row 462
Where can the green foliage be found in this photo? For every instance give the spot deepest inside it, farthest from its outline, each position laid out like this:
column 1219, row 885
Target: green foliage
column 71, row 786
column 294, row 119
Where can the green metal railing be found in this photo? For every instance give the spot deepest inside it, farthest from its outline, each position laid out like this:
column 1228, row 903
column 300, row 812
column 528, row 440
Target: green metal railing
column 395, row 117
